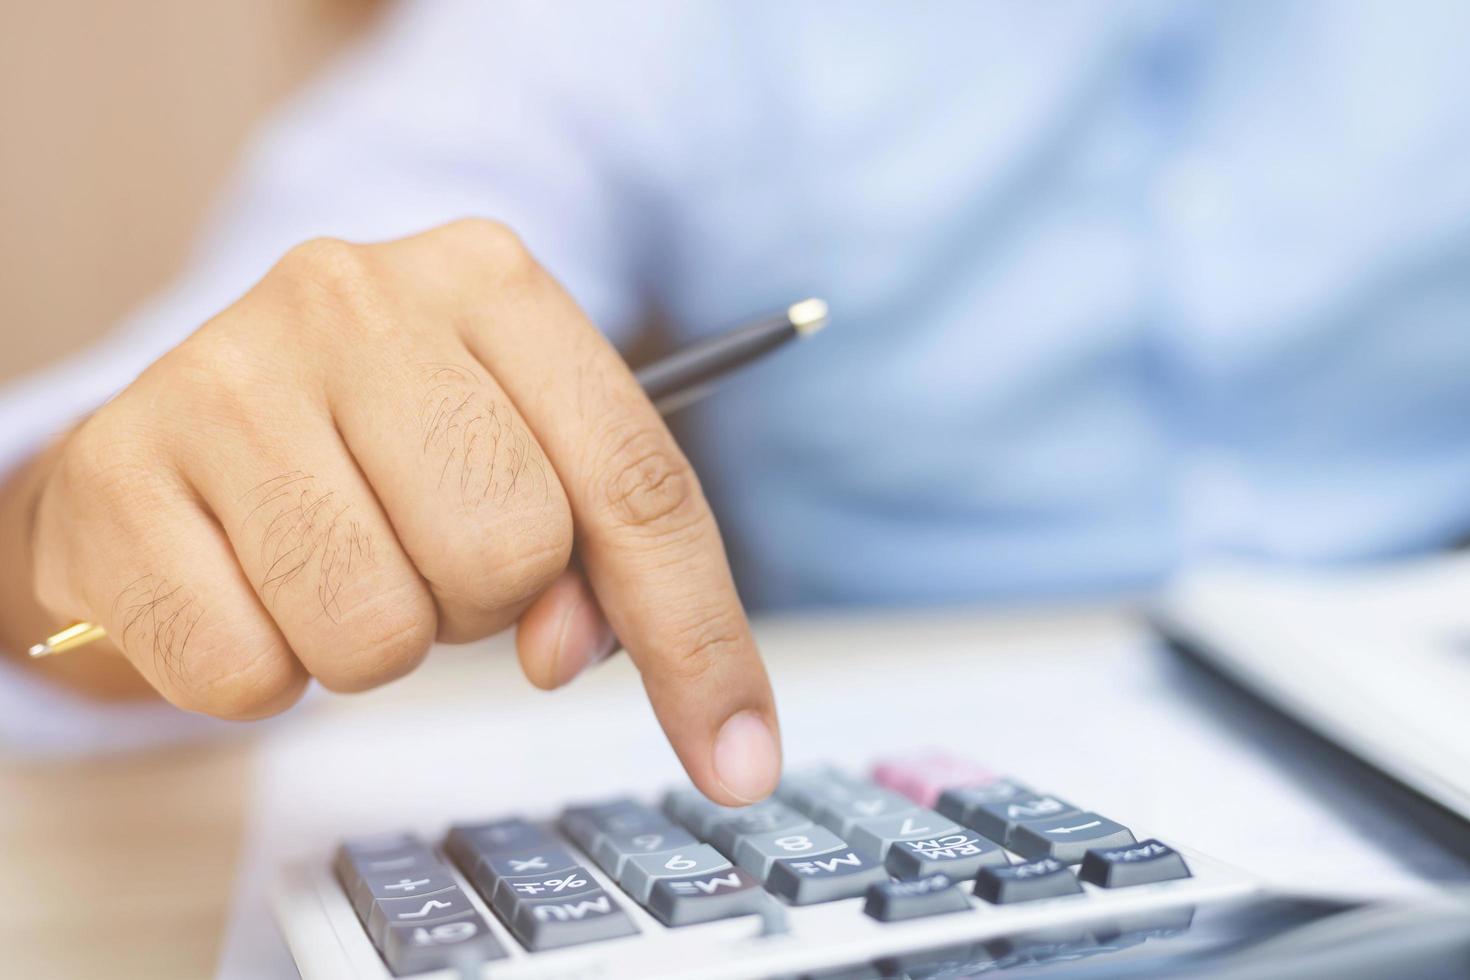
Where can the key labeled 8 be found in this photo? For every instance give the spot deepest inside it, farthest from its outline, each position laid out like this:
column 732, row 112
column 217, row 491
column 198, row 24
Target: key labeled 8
column 795, row 843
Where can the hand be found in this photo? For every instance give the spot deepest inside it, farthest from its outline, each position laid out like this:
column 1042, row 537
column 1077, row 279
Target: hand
column 380, row 445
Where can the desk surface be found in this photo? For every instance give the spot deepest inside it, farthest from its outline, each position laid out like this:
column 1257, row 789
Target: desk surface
column 126, row 866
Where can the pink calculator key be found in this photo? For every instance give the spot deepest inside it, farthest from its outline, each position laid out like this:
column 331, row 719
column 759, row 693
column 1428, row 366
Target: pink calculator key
column 923, row 777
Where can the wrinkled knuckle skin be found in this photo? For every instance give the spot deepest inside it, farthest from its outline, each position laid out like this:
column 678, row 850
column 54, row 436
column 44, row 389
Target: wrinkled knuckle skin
column 502, row 577
column 698, row 650
column 384, row 642
column 540, row 553
column 647, row 484
column 107, row 469
column 228, row 681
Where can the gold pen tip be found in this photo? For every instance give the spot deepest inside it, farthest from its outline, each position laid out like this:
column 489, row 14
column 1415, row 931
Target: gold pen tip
column 40, row 650
column 808, row 316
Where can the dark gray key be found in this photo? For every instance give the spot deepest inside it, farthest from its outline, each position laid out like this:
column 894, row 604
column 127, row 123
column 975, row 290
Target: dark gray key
column 530, row 858
column 762, row 818
column 641, row 871
column 396, row 884
column 959, row 854
column 383, row 854
column 704, row 898
column 935, row 894
column 410, row 949
column 1026, row 882
column 564, row 884
column 1067, row 838
column 528, row 861
column 809, row 790
column 554, row 923
column 693, row 811
column 587, row 824
column 1144, row 863
column 823, row 877
column 840, row 815
column 468, row 843
column 958, row 801
column 873, row 838
column 757, row 852
column 614, row 849
column 419, row 910
column 999, row 820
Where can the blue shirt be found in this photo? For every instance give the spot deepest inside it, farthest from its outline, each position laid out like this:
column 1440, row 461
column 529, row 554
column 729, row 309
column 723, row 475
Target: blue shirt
column 1114, row 286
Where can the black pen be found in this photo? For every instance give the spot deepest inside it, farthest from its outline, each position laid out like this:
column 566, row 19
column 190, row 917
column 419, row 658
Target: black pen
column 690, row 373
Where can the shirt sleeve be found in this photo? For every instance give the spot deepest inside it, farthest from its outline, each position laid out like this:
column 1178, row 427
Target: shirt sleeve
column 452, row 109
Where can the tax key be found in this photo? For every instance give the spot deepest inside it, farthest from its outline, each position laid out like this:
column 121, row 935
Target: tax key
column 1143, row 863
column 893, row 901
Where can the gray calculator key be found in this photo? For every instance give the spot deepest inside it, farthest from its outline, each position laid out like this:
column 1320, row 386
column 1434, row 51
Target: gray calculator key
column 613, row 850
column 641, row 871
column 396, row 884
column 706, row 897
column 554, row 923
column 757, row 852
column 511, row 890
column 935, row 894
column 958, row 802
column 587, row 824
column 1026, row 882
column 840, row 815
column 1143, row 863
column 762, row 818
column 809, row 789
column 468, row 843
column 417, row 910
column 695, row 812
column 958, row 854
column 874, row 837
column 823, row 877
column 396, row 852
column 538, row 860
column 410, row 949
column 1068, row 838
column 999, row 820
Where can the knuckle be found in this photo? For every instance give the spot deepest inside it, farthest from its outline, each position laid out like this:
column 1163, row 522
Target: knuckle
column 384, row 640
column 492, row 249
column 332, row 282
column 107, row 462
column 220, row 680
column 646, row 483
column 698, row 649
column 508, row 570
column 486, row 238
column 326, row 260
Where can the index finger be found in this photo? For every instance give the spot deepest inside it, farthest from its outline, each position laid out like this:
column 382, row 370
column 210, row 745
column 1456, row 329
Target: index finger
column 644, row 531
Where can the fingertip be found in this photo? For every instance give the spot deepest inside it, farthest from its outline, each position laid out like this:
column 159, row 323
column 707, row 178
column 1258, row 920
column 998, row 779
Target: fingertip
column 746, row 758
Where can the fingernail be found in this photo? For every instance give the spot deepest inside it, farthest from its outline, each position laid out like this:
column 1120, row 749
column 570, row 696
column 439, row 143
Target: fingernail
column 586, row 639
column 747, row 759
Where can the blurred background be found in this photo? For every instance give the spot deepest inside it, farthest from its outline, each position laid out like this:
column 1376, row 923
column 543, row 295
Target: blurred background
column 120, row 120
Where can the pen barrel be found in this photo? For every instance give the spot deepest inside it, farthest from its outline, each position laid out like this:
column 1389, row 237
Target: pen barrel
column 701, row 363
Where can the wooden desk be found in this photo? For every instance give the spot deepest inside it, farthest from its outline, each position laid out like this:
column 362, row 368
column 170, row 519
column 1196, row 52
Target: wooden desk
column 120, row 867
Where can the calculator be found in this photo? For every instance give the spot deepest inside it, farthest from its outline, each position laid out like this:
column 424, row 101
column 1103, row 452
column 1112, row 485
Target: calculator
column 928, row 866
